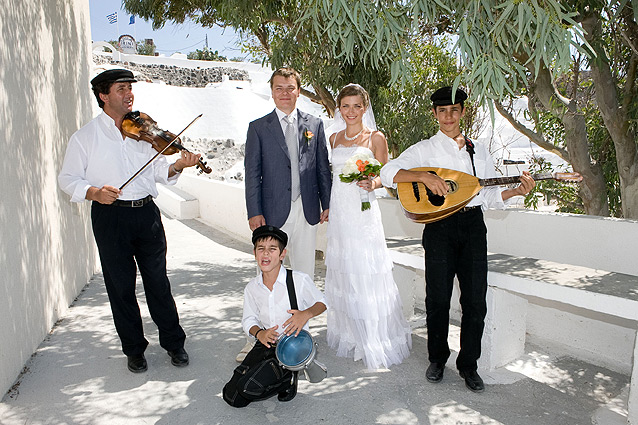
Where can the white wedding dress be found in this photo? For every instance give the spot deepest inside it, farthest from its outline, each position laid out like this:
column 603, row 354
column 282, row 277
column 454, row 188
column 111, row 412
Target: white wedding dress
column 365, row 317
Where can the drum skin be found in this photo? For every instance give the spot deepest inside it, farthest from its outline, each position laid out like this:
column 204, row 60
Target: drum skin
column 294, row 353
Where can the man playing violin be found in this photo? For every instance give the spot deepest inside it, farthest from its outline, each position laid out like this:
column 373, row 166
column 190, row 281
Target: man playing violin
column 455, row 245
column 126, row 223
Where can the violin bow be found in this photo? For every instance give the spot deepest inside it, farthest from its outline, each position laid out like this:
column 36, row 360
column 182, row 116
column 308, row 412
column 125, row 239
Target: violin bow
column 160, row 152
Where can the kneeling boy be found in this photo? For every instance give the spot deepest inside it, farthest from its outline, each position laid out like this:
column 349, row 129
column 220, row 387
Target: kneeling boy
column 267, row 315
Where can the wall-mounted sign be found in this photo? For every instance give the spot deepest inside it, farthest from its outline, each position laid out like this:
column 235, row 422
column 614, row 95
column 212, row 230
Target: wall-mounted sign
column 127, row 44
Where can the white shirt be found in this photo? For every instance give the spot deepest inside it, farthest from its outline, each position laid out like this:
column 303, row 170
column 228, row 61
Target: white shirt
column 281, row 115
column 443, row 152
column 266, row 308
column 97, row 156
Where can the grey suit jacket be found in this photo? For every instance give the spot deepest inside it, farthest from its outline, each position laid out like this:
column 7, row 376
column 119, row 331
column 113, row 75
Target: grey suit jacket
column 267, row 165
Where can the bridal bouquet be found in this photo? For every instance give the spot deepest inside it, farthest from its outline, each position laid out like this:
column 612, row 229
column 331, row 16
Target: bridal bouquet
column 359, row 167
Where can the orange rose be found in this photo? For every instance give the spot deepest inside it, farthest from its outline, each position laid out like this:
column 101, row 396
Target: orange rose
column 361, row 166
column 308, row 135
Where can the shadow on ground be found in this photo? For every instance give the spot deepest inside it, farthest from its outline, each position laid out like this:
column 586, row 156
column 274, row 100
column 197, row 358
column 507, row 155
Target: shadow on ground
column 79, row 376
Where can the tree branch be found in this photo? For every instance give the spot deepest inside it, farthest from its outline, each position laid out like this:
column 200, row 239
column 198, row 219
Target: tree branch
column 533, row 136
column 322, row 97
column 262, row 35
column 576, row 77
column 627, row 16
column 631, row 82
column 544, row 88
column 310, row 95
column 327, row 100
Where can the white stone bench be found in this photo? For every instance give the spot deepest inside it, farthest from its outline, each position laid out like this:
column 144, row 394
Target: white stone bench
column 177, row 202
column 515, row 282
column 518, row 284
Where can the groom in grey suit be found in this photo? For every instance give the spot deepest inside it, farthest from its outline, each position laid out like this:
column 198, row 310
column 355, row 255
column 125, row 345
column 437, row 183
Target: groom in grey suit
column 288, row 176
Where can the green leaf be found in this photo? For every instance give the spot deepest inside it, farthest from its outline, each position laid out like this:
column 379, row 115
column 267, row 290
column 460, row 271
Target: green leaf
column 521, row 20
column 504, row 15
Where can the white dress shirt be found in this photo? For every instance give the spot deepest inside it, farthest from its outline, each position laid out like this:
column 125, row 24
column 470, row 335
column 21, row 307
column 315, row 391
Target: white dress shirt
column 442, row 151
column 281, row 115
column 97, row 155
column 266, row 308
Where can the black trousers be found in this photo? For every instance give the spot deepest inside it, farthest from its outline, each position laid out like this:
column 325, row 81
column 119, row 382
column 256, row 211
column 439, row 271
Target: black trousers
column 258, row 377
column 128, row 238
column 456, row 245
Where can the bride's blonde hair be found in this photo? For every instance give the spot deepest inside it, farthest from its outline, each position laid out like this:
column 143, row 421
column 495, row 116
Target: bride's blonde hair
column 354, row 90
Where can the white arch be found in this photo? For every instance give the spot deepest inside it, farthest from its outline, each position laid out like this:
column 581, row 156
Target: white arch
column 104, row 44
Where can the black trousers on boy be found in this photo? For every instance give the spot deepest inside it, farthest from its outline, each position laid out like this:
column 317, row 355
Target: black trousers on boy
column 258, row 377
column 456, row 245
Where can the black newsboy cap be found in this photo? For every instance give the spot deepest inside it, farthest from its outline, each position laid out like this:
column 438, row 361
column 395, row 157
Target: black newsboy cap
column 114, row 76
column 273, row 231
column 443, row 96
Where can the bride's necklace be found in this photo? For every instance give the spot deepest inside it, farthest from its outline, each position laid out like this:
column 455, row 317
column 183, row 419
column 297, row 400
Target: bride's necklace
column 350, row 139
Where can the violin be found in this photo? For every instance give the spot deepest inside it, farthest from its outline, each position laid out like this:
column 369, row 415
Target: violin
column 140, row 126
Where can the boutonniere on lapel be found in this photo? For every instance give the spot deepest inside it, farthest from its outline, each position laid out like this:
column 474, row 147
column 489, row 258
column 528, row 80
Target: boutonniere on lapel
column 308, row 135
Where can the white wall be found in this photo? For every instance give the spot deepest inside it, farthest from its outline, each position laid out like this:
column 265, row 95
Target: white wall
column 47, row 254
column 223, row 205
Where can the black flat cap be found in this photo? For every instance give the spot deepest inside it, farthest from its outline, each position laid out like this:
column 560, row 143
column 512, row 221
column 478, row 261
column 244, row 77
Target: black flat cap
column 443, row 96
column 114, row 76
column 272, row 231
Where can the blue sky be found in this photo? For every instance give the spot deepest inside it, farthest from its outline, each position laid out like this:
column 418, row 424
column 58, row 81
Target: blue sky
column 183, row 38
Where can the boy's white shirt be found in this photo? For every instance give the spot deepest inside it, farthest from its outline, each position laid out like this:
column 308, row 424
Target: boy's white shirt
column 266, row 308
column 442, row 151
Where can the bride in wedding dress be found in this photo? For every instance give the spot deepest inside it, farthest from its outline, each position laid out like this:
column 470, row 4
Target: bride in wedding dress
column 365, row 318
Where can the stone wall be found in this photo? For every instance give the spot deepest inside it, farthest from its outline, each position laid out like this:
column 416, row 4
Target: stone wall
column 177, row 76
column 223, row 156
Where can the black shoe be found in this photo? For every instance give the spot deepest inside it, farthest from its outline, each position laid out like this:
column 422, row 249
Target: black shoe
column 291, row 392
column 137, row 363
column 472, row 380
column 435, row 372
column 179, row 357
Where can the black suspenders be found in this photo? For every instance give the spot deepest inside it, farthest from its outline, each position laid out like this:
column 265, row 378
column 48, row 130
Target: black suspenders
column 469, row 147
column 292, row 296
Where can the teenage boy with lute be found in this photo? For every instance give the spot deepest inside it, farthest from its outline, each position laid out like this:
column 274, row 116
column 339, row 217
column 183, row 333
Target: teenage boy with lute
column 456, row 244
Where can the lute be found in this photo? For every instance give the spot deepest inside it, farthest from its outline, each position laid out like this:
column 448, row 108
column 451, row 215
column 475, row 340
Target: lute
column 423, row 206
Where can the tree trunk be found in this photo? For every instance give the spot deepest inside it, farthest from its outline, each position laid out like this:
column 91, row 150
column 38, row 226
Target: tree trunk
column 615, row 117
column 592, row 189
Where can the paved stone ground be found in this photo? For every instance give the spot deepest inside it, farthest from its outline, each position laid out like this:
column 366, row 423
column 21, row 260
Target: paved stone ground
column 78, row 375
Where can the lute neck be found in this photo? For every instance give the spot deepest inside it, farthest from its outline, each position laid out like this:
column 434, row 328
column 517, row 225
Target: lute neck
column 511, row 180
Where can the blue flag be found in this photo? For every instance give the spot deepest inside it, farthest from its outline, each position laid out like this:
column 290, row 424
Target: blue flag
column 132, row 20
column 112, row 18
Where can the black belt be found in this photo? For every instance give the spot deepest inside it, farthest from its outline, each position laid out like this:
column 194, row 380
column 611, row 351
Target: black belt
column 133, row 204
column 466, row 209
